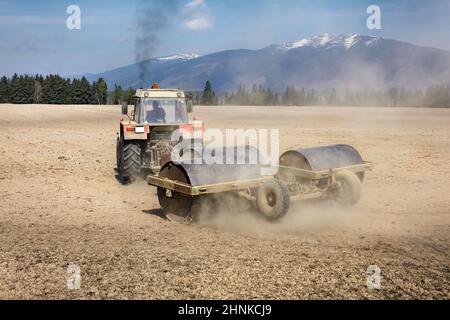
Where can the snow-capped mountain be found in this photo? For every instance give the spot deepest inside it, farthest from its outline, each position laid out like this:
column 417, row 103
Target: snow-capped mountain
column 182, row 57
column 327, row 41
column 324, row 61
column 128, row 76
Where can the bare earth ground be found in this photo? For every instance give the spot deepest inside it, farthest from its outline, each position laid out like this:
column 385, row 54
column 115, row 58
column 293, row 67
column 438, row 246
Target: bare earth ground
column 60, row 204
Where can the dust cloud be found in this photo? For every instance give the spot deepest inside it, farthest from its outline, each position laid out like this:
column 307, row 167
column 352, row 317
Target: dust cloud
column 303, row 217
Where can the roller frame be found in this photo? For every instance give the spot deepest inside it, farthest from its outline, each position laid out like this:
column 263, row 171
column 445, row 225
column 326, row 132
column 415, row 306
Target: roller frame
column 193, row 191
column 189, row 190
column 324, row 174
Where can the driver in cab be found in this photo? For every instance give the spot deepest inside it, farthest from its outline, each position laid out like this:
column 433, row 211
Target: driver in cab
column 157, row 114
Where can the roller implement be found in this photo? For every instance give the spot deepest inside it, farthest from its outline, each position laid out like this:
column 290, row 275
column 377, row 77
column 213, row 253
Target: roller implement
column 334, row 172
column 185, row 187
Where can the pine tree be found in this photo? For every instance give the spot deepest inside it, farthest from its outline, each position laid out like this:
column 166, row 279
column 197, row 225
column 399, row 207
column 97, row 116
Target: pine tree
column 81, row 92
column 62, row 90
column 28, row 89
column 56, row 90
column 4, row 90
column 286, row 99
column 14, row 88
column 208, row 97
column 46, row 90
column 128, row 96
column 117, row 94
column 272, row 98
column 22, row 89
column 74, row 91
column 99, row 91
column 69, row 94
column 77, row 92
column 240, row 95
column 86, row 91
column 103, row 90
column 95, row 93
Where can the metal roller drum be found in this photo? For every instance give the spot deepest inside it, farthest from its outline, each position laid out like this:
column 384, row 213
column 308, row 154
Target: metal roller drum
column 322, row 158
column 206, row 174
column 245, row 165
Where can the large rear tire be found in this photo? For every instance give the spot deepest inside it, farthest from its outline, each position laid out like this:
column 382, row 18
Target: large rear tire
column 128, row 161
column 350, row 188
column 273, row 200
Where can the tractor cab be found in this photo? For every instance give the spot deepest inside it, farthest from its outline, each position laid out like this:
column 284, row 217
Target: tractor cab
column 159, row 106
column 157, row 111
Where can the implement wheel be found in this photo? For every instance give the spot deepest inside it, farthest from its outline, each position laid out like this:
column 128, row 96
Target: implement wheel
column 272, row 200
column 349, row 190
column 175, row 205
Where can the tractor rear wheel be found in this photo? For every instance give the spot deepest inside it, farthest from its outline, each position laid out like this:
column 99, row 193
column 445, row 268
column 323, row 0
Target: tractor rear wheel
column 128, row 161
column 272, row 200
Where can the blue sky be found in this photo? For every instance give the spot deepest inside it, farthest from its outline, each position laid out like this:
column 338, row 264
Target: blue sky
column 34, row 37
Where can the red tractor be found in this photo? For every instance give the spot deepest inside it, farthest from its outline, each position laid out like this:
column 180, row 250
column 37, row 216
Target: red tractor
column 145, row 141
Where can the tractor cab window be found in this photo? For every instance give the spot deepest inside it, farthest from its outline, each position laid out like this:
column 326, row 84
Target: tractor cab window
column 168, row 111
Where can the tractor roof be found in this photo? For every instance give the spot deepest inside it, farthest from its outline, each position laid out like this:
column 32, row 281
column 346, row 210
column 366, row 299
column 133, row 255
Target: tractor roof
column 159, row 93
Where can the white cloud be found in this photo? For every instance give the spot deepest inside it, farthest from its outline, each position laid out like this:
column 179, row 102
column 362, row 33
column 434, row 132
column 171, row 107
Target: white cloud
column 197, row 24
column 194, row 4
column 196, row 16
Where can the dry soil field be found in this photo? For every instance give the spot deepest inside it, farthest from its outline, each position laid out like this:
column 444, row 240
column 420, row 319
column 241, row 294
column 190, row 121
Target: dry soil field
column 60, row 204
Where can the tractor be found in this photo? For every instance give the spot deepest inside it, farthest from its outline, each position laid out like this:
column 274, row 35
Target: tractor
column 144, row 142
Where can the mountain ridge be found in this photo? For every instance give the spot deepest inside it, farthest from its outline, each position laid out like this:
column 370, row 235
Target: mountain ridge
column 323, row 61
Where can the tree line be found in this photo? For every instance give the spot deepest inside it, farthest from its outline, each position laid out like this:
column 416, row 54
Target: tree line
column 433, row 96
column 52, row 89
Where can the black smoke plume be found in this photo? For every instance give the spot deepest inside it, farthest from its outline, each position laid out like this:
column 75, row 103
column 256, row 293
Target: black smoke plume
column 153, row 18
